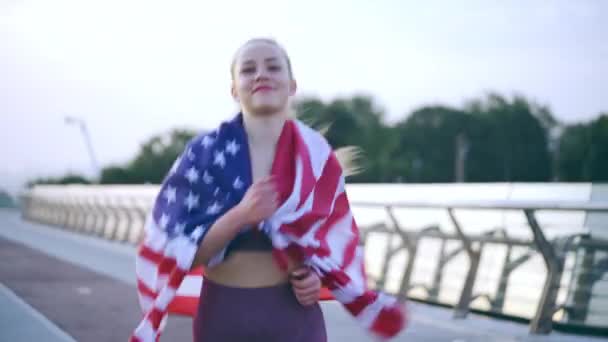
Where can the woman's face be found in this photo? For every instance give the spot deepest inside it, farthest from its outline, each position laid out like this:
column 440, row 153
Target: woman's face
column 262, row 82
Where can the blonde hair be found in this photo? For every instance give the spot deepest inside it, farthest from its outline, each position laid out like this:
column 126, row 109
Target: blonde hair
column 348, row 157
column 266, row 41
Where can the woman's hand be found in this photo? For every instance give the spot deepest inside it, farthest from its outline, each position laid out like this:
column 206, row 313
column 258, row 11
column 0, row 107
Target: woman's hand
column 306, row 285
column 259, row 203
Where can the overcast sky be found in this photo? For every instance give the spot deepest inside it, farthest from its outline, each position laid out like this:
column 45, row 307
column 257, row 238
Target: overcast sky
column 132, row 69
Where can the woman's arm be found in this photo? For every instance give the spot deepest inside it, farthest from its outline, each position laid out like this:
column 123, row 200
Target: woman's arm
column 259, row 202
column 220, row 233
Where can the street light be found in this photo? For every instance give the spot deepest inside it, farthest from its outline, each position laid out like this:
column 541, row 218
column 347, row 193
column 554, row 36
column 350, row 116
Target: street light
column 70, row 120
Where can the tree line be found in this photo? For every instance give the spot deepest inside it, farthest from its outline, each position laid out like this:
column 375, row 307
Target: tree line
column 490, row 139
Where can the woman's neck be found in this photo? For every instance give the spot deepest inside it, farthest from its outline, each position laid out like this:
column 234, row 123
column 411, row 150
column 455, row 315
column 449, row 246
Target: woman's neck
column 264, row 129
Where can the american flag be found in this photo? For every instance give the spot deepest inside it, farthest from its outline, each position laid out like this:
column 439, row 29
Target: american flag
column 313, row 224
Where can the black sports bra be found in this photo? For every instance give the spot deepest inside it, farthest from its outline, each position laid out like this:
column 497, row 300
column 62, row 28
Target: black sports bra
column 250, row 240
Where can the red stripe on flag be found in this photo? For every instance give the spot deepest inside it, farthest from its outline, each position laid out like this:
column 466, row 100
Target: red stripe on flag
column 290, row 145
column 145, row 290
column 151, row 255
column 325, row 192
column 155, row 317
column 197, row 271
column 351, row 249
column 339, row 277
column 307, row 183
column 389, row 322
column 323, row 197
column 283, row 166
column 176, row 278
column 166, row 266
column 184, row 305
column 340, row 209
column 355, row 307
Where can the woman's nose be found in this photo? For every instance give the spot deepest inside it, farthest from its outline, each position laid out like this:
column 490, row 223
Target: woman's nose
column 261, row 74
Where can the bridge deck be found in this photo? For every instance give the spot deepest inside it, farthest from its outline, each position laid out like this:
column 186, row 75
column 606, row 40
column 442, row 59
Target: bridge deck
column 60, row 286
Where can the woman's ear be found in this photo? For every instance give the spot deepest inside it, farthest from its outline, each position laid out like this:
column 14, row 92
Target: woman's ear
column 233, row 92
column 293, row 86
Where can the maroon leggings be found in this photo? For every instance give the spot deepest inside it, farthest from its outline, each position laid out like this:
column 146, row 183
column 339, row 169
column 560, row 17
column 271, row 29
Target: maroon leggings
column 270, row 314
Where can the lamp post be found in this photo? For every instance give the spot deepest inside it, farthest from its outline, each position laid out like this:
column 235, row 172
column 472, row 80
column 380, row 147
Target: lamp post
column 70, row 120
column 554, row 135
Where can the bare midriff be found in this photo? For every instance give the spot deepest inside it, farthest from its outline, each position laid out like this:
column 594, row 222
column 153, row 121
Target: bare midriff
column 249, row 269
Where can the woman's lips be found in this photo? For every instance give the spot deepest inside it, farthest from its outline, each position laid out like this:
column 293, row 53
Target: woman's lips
column 262, row 88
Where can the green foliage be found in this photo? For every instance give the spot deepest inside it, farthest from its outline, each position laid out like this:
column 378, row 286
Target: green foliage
column 153, row 161
column 501, row 139
column 489, row 139
column 117, row 175
column 425, row 144
column 598, row 154
column 583, row 151
column 70, row 178
column 509, row 142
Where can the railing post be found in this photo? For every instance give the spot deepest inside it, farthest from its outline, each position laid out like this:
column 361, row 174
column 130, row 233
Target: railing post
column 70, row 220
column 462, row 307
column 411, row 244
column 125, row 223
column 583, row 285
column 82, row 214
column 88, row 209
column 136, row 234
column 63, row 212
column 100, row 227
column 110, row 230
column 542, row 323
column 508, row 267
column 438, row 274
column 388, row 254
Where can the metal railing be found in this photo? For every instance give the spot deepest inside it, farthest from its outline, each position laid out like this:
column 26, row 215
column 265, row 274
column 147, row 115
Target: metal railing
column 573, row 263
column 554, row 254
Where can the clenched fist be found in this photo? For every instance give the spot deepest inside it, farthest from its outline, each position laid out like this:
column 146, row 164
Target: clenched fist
column 260, row 201
column 306, row 285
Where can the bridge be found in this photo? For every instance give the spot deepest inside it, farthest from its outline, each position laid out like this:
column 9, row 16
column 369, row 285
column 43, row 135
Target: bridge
column 68, row 270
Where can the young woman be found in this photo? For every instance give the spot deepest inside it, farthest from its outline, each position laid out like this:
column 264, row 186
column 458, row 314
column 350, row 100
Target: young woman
column 259, row 284
column 248, row 297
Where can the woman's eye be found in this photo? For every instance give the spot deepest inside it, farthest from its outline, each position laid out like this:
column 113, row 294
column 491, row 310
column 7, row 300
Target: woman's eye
column 274, row 68
column 247, row 70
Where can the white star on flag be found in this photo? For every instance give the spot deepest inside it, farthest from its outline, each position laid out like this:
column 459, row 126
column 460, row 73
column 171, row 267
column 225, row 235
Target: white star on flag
column 192, row 174
column 214, row 208
column 219, row 159
column 232, row 147
column 175, row 165
column 164, row 221
column 179, row 228
column 197, row 232
column 190, row 154
column 207, row 141
column 191, row 201
column 207, row 178
column 170, row 194
column 237, row 184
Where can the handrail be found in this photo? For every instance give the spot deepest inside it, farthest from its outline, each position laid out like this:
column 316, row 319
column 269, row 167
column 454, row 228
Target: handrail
column 491, row 205
column 118, row 213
